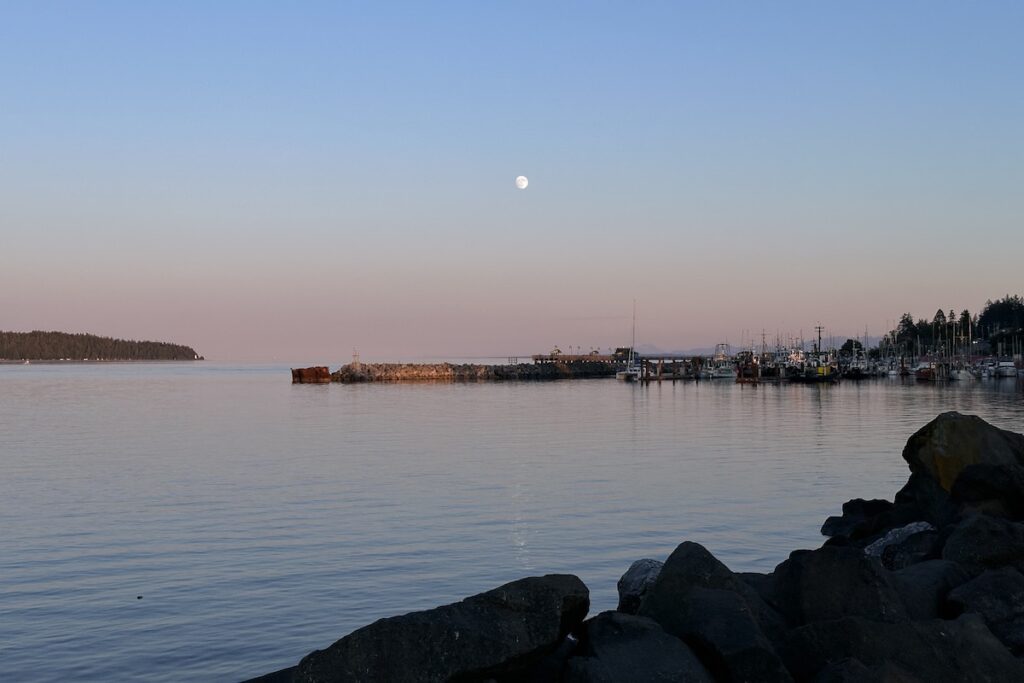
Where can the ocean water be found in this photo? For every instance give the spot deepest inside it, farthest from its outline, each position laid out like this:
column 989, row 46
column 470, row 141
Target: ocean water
column 213, row 522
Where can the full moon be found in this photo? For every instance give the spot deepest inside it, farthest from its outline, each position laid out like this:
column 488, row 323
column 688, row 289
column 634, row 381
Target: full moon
column 522, row 181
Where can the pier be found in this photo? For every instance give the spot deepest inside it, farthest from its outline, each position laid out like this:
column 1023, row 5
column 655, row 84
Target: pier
column 666, row 368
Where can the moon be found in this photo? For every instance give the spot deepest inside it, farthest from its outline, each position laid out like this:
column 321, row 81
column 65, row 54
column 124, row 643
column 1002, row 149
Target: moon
column 522, row 181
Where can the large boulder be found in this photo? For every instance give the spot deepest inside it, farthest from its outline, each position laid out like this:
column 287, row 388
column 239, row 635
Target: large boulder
column 618, row 647
column 991, row 489
column 919, row 547
column 949, row 443
column 724, row 620
column 922, row 498
column 981, row 542
column 635, row 583
column 923, row 587
column 691, row 566
column 833, row 582
column 998, row 596
column 896, row 536
column 854, row 671
column 855, row 513
column 937, row 651
column 505, row 632
column 722, row 631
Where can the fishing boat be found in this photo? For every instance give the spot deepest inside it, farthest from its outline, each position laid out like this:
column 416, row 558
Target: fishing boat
column 858, row 368
column 931, row 371
column 722, row 365
column 814, row 367
column 816, row 370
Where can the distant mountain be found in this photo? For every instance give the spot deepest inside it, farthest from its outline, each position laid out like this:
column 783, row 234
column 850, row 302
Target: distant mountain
column 39, row 345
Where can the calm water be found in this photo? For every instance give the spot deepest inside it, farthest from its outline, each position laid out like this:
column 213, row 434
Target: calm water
column 259, row 520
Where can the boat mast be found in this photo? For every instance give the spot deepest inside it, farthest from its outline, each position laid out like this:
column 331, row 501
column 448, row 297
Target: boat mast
column 632, row 343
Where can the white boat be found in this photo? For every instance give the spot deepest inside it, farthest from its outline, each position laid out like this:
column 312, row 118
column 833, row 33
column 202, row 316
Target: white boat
column 632, row 372
column 723, row 370
column 1005, row 368
column 721, row 363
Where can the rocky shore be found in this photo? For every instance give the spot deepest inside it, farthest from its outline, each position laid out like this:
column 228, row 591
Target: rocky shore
column 927, row 587
column 469, row 372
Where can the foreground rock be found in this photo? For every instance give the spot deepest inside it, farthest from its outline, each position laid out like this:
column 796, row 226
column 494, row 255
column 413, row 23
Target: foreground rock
column 697, row 599
column 998, row 596
column 619, row 647
column 831, row 583
column 635, row 584
column 963, row 650
column 996, row 490
column 928, row 587
column 504, row 634
column 951, row 442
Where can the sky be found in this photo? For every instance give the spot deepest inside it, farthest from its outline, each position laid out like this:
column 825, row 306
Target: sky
column 274, row 181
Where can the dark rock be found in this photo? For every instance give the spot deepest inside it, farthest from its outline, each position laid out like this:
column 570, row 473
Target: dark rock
column 853, row 671
column 922, row 498
column 691, row 566
column 763, row 585
column 834, row 582
column 855, row 512
column 505, row 632
column 998, row 596
column 925, row 545
column 894, row 536
column 981, row 542
column 923, row 587
column 992, row 489
column 949, row 443
column 960, row 651
column 720, row 627
column 635, row 583
column 620, row 647
column 282, row 676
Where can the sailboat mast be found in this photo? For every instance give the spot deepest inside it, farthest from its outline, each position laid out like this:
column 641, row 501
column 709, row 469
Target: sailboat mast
column 633, row 343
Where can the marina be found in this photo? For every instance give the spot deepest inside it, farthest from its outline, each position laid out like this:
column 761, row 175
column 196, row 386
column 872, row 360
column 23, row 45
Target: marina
column 949, row 348
column 817, row 365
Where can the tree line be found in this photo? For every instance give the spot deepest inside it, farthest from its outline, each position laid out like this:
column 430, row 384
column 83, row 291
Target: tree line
column 1000, row 322
column 38, row 345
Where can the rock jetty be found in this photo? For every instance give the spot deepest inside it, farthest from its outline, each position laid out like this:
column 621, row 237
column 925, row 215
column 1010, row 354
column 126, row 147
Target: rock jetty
column 469, row 372
column 927, row 587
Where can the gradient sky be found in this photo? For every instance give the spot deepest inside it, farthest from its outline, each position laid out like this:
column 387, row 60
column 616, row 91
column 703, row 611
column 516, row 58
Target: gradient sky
column 287, row 181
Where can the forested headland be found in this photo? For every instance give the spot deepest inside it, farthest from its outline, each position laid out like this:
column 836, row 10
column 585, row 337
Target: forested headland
column 39, row 345
column 1000, row 325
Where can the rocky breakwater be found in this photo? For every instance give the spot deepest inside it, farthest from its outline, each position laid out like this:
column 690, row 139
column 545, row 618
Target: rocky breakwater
column 469, row 372
column 928, row 587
